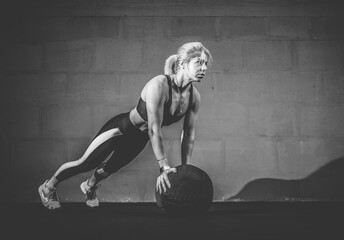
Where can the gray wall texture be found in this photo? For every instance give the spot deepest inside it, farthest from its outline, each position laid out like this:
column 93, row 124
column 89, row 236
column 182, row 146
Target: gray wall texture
column 271, row 120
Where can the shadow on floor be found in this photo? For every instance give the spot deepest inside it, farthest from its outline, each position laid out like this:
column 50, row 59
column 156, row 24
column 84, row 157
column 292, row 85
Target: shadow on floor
column 325, row 184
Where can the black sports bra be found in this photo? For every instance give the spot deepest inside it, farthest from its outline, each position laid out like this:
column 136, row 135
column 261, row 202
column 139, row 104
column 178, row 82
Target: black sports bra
column 168, row 118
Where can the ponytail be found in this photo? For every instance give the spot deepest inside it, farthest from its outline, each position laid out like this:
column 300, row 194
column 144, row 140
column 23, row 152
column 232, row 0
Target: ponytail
column 171, row 65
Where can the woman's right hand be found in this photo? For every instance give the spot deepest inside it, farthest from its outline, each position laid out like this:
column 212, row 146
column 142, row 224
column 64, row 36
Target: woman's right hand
column 162, row 180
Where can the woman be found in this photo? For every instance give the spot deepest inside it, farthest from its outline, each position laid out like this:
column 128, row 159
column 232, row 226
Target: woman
column 164, row 100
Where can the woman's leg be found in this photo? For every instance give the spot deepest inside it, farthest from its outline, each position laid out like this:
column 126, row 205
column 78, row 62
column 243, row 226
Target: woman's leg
column 128, row 148
column 99, row 149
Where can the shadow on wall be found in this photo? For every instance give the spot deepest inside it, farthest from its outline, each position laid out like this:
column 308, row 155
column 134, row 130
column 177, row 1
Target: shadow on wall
column 325, row 184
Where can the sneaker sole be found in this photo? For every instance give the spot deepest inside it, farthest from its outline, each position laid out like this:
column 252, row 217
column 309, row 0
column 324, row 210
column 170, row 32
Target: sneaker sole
column 92, row 204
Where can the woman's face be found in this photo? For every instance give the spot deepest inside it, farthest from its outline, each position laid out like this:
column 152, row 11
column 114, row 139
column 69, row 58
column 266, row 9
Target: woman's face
column 197, row 67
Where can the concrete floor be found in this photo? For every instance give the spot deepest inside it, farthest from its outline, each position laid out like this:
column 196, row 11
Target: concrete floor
column 230, row 220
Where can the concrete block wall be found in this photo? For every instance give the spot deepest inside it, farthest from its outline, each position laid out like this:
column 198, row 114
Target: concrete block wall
column 270, row 125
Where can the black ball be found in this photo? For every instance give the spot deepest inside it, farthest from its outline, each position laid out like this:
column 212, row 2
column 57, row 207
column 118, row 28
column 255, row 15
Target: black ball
column 191, row 191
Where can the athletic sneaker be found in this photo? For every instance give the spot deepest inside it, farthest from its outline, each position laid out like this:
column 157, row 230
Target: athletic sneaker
column 49, row 196
column 91, row 195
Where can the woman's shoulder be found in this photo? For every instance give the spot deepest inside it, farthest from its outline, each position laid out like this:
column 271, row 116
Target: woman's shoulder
column 157, row 84
column 158, row 80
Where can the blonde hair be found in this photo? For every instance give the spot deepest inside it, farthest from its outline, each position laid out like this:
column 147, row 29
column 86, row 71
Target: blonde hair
column 185, row 53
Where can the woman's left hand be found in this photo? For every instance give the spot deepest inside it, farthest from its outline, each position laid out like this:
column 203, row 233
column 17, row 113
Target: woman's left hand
column 162, row 180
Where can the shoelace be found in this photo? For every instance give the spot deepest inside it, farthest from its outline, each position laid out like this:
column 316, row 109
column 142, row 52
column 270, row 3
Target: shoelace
column 53, row 195
column 91, row 192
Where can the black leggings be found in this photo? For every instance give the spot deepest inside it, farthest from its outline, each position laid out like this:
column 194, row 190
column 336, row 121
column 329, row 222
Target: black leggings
column 125, row 145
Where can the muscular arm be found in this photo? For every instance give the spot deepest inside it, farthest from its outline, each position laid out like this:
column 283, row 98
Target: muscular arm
column 188, row 134
column 155, row 99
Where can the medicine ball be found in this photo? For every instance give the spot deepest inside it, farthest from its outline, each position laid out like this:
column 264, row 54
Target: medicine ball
column 191, row 191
